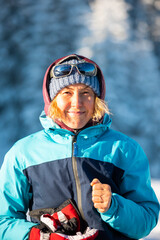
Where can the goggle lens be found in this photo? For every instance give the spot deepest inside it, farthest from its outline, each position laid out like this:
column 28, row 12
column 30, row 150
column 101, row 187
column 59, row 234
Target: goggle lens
column 61, row 70
column 87, row 69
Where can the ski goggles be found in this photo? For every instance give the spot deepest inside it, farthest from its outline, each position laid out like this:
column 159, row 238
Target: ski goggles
column 84, row 68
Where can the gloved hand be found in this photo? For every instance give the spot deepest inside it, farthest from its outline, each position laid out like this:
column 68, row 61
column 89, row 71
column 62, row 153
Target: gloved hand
column 60, row 223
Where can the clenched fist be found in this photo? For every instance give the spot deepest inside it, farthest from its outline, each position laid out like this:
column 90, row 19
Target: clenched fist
column 101, row 195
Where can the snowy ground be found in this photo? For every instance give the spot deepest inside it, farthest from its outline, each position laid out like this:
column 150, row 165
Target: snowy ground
column 155, row 234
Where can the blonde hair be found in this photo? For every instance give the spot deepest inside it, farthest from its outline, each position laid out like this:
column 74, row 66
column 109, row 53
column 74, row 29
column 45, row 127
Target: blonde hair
column 101, row 107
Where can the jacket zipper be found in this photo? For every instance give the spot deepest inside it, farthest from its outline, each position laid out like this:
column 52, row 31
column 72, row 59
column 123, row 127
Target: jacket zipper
column 75, row 171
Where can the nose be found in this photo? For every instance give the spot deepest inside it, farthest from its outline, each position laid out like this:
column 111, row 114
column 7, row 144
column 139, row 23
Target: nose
column 76, row 100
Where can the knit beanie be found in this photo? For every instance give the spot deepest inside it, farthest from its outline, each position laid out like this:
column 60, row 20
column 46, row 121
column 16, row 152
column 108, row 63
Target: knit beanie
column 56, row 84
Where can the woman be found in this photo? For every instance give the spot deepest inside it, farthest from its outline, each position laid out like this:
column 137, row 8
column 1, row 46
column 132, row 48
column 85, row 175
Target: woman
column 76, row 160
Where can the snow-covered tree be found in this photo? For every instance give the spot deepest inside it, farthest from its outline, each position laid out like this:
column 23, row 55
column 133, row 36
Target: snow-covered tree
column 122, row 36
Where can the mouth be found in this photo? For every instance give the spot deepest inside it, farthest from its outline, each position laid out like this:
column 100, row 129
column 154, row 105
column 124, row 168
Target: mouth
column 76, row 112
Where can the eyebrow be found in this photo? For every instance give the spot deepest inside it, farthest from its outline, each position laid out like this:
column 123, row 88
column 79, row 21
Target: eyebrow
column 70, row 87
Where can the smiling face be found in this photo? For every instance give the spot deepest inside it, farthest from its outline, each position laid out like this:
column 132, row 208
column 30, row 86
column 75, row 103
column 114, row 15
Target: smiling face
column 76, row 103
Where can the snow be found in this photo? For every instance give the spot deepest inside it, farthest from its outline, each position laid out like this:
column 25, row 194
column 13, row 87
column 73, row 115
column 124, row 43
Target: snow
column 155, row 234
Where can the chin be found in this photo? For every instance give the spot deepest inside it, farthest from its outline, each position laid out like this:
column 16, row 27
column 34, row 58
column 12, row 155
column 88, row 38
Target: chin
column 75, row 126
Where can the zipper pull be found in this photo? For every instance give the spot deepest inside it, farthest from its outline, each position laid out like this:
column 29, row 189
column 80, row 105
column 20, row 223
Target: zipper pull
column 75, row 149
column 74, row 145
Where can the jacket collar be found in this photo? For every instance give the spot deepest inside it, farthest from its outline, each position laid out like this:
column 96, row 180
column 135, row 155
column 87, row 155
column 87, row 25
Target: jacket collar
column 49, row 124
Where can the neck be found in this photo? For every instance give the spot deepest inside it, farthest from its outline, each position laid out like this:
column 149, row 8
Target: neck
column 89, row 124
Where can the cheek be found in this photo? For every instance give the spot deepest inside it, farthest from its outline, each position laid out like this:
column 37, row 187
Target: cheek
column 91, row 105
column 61, row 104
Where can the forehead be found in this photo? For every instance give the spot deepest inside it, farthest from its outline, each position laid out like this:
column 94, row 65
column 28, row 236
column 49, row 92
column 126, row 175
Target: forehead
column 78, row 86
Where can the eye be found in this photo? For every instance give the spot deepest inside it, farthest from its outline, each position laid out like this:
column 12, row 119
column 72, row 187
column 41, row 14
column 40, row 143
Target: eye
column 66, row 92
column 86, row 92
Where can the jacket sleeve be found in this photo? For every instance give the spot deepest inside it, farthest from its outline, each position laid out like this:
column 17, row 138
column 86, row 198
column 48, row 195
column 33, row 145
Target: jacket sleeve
column 15, row 196
column 135, row 211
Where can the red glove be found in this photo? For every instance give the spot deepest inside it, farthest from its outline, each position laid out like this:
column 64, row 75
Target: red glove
column 37, row 234
column 89, row 234
column 60, row 223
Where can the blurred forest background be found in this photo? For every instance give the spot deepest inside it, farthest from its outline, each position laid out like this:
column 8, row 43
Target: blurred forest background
column 122, row 36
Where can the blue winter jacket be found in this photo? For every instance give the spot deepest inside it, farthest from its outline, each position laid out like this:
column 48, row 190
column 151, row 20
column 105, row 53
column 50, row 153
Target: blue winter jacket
column 53, row 165
column 47, row 168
